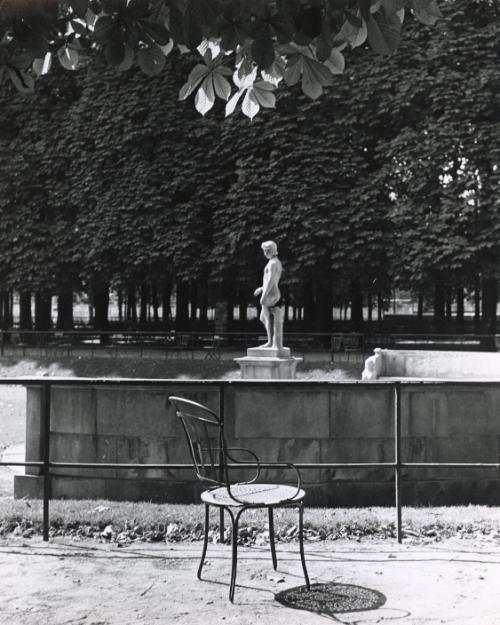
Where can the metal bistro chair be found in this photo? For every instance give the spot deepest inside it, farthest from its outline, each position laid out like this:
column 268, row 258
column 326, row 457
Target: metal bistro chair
column 336, row 345
column 212, row 351
column 353, row 344
column 205, row 435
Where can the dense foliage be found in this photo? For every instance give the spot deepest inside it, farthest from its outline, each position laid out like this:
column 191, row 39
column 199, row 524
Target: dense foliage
column 389, row 179
column 244, row 48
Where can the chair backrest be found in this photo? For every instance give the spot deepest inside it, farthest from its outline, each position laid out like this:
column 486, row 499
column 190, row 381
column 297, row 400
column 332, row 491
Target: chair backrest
column 183, row 340
column 205, row 437
column 352, row 342
column 337, row 343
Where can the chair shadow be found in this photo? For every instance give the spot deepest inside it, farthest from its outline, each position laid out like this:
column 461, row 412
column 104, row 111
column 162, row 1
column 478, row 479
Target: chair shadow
column 331, row 598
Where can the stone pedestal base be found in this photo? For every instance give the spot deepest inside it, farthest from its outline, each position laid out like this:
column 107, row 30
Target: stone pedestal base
column 268, row 352
column 268, row 363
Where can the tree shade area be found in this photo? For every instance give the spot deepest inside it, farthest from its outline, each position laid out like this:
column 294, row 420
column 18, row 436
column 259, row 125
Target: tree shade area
column 245, row 49
column 390, row 179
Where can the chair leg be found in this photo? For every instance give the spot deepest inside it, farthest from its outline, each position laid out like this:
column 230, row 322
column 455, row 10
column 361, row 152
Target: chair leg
column 271, row 538
column 221, row 525
column 234, row 563
column 301, row 544
column 205, row 541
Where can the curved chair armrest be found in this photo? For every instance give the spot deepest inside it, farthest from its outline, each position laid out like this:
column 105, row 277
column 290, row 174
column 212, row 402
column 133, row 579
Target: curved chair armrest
column 255, row 461
column 290, row 466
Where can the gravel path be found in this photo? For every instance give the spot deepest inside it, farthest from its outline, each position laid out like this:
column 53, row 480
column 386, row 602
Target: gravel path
column 67, row 582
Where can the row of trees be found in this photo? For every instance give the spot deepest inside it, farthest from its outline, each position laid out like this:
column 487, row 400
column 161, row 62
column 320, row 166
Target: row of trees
column 390, row 179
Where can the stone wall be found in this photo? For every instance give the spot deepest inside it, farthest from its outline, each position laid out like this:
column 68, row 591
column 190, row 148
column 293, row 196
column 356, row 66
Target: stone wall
column 297, row 422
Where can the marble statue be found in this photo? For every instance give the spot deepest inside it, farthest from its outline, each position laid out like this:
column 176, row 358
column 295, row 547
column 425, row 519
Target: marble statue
column 273, row 307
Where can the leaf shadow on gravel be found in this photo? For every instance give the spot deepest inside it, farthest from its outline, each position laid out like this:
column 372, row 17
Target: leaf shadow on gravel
column 331, row 598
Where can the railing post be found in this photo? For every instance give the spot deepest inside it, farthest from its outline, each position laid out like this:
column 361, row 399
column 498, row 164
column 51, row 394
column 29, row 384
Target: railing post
column 45, row 414
column 221, row 460
column 397, row 458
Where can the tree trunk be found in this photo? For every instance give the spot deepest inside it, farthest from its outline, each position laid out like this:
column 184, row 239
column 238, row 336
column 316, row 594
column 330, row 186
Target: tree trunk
column 25, row 316
column 439, row 305
column 166, row 295
column 6, row 309
column 460, row 306
column 220, row 316
column 420, row 307
column 477, row 305
column 155, row 302
column 323, row 304
column 65, row 309
column 10, row 309
column 380, row 307
column 242, row 305
column 182, row 305
column 131, row 304
column 143, row 315
column 2, row 310
column 308, row 299
column 490, row 301
column 230, row 307
column 193, row 290
column 203, row 307
column 100, row 297
column 43, row 311
column 120, row 304
column 448, row 304
column 356, row 307
column 370, row 306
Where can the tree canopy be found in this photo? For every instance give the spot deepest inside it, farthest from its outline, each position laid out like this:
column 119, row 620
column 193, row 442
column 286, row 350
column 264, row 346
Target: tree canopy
column 245, row 48
column 106, row 179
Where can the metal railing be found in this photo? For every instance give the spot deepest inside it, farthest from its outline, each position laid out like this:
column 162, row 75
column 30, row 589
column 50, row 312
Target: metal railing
column 170, row 342
column 397, row 465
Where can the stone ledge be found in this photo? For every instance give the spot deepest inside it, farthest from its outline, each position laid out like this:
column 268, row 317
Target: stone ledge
column 392, row 364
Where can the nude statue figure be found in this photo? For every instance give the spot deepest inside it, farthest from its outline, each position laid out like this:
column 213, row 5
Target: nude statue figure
column 273, row 310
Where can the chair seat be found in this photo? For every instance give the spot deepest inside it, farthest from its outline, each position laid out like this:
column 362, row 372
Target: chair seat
column 253, row 495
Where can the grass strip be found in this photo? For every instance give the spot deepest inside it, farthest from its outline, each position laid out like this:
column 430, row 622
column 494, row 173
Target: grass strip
column 144, row 521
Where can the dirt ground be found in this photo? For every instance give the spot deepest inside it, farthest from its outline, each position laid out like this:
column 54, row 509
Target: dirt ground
column 66, row 582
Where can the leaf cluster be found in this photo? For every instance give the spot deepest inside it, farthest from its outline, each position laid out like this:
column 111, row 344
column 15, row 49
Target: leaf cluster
column 259, row 42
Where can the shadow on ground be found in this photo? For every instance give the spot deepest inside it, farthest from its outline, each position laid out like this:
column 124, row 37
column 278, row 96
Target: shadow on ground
column 331, row 598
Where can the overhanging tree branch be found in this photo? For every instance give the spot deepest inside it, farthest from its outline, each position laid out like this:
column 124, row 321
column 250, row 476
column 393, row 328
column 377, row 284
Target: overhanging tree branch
column 260, row 43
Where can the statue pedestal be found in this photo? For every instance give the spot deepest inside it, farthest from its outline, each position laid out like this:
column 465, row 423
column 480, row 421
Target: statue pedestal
column 268, row 363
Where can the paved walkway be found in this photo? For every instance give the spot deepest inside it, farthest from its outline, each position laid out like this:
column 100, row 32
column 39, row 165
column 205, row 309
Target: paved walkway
column 66, row 582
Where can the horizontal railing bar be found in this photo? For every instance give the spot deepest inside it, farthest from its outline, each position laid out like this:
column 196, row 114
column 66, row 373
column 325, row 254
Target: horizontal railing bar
column 71, row 381
column 121, row 332
column 450, row 464
column 116, row 465
column 22, row 464
column 264, row 465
